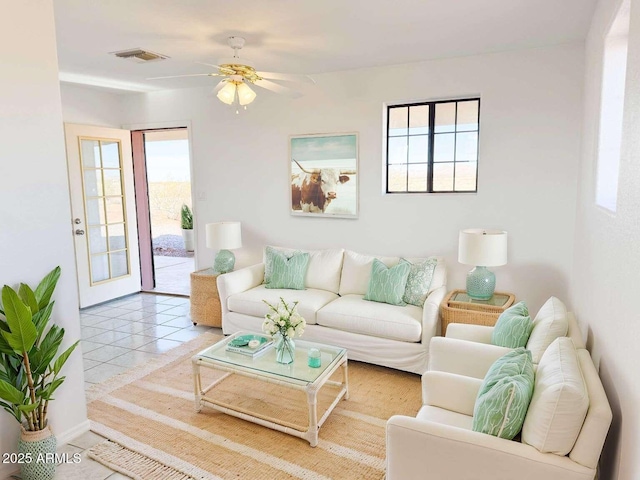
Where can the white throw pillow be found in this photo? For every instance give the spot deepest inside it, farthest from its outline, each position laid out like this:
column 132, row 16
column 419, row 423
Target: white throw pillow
column 324, row 269
column 439, row 274
column 550, row 323
column 356, row 272
column 560, row 400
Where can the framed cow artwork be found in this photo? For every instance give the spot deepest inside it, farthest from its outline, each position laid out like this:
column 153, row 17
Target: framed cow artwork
column 324, row 175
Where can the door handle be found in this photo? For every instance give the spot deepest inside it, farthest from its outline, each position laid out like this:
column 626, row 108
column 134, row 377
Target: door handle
column 79, row 232
column 77, row 221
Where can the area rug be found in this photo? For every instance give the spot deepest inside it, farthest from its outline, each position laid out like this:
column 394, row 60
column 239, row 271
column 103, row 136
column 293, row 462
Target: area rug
column 150, row 411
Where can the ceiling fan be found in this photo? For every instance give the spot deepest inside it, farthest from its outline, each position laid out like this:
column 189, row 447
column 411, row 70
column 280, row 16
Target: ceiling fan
column 239, row 74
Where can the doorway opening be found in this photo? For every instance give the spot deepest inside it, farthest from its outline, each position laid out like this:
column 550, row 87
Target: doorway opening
column 164, row 204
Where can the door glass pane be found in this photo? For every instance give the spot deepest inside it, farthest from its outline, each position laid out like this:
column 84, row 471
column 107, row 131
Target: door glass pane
column 419, row 149
column 466, row 177
column 397, row 178
column 445, row 117
column 467, row 116
column 397, row 150
column 419, row 120
column 116, row 237
column 110, row 154
column 115, row 210
column 97, row 239
column 467, row 146
column 418, row 178
column 93, row 183
column 90, row 152
column 119, row 264
column 112, row 182
column 95, row 211
column 99, row 268
column 443, row 177
column 398, row 121
column 443, row 147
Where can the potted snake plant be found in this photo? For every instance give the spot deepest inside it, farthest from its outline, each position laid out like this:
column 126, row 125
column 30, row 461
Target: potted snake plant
column 186, row 220
column 30, row 368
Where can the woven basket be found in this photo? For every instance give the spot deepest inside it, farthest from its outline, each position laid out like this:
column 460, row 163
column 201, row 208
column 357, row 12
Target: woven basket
column 205, row 301
column 472, row 313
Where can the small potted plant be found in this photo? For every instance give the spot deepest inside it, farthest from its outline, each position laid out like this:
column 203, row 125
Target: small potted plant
column 30, row 370
column 186, row 219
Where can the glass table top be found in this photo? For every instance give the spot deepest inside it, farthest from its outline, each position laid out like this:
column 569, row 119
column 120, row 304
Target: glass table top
column 265, row 362
column 498, row 299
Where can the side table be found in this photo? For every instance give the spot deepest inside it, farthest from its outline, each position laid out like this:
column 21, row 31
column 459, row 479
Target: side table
column 205, row 301
column 458, row 307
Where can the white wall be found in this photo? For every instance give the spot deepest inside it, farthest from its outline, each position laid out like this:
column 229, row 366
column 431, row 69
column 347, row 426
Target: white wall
column 91, row 106
column 606, row 271
column 35, row 232
column 529, row 149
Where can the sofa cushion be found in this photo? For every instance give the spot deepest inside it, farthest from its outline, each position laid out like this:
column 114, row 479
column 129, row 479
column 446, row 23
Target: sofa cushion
column 447, row 417
column 504, row 396
column 288, row 272
column 352, row 313
column 419, row 281
column 251, row 302
column 513, row 327
column 386, row 284
column 550, row 323
column 323, row 272
column 560, row 400
column 356, row 272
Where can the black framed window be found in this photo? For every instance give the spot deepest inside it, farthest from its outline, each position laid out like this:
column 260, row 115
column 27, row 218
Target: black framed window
column 432, row 147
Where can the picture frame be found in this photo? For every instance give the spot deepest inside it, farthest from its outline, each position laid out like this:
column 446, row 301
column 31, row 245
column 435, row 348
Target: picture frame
column 323, row 172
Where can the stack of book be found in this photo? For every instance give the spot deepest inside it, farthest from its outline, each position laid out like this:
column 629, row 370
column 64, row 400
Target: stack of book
column 250, row 345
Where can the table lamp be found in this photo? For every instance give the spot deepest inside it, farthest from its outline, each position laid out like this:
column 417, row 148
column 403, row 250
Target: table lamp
column 224, row 236
column 482, row 249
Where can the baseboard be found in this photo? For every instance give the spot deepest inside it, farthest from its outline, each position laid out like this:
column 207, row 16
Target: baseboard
column 68, row 435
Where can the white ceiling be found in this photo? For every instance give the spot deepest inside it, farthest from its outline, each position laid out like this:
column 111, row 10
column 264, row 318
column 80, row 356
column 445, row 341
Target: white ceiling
column 297, row 36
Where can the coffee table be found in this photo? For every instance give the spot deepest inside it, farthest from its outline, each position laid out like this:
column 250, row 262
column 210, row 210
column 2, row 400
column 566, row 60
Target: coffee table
column 296, row 375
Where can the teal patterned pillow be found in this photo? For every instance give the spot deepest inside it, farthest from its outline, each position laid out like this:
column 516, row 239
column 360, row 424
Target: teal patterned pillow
column 419, row 281
column 513, row 327
column 288, row 272
column 387, row 284
column 505, row 394
column 269, row 253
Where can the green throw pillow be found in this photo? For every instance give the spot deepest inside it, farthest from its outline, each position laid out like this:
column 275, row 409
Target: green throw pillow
column 269, row 253
column 505, row 394
column 419, row 281
column 513, row 327
column 387, row 284
column 288, row 272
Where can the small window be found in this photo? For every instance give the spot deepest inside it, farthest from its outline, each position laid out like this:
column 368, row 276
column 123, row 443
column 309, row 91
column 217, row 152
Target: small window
column 432, row 147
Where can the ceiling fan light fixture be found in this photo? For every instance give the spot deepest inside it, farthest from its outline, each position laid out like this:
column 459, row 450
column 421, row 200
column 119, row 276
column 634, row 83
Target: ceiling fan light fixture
column 227, row 94
column 245, row 94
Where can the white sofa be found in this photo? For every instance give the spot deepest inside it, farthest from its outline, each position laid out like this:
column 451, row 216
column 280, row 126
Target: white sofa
column 335, row 311
column 440, row 443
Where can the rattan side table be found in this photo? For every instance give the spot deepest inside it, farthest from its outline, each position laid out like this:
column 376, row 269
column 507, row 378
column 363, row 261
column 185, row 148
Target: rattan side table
column 205, row 301
column 457, row 307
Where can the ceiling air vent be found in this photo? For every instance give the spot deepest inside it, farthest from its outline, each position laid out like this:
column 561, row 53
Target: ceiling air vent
column 139, row 56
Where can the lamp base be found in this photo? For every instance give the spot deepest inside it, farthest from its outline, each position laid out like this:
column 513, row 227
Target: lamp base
column 481, row 283
column 224, row 262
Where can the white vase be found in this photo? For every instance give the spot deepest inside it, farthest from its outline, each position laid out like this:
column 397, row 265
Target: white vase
column 188, row 238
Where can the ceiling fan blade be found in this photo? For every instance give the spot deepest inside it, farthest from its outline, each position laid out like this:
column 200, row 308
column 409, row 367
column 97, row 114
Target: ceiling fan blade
column 222, row 70
column 289, row 77
column 191, row 75
column 274, row 87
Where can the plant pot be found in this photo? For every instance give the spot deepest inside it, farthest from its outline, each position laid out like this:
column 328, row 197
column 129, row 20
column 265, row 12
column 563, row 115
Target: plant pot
column 38, row 449
column 187, row 237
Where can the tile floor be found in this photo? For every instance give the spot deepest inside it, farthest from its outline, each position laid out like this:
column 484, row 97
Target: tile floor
column 116, row 336
column 172, row 274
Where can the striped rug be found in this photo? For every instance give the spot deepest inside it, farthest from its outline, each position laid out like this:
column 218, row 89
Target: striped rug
column 150, row 412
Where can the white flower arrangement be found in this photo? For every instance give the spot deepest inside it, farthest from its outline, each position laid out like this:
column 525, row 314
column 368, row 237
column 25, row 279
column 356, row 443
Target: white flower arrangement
column 283, row 319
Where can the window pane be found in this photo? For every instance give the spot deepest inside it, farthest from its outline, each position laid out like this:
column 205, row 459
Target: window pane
column 115, row 211
column 117, row 237
column 467, row 116
column 119, row 266
column 398, row 118
column 445, row 117
column 466, row 177
column 112, row 184
column 95, row 211
column 99, row 268
column 90, row 153
column 397, row 150
column 419, row 120
column 397, row 180
column 110, row 155
column 418, row 178
column 443, row 177
column 419, row 149
column 467, row 146
column 93, row 183
column 97, row 240
column 443, row 147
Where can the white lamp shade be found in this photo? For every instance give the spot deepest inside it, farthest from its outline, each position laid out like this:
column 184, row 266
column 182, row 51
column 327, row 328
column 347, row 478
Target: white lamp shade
column 228, row 93
column 245, row 94
column 224, row 235
column 485, row 248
